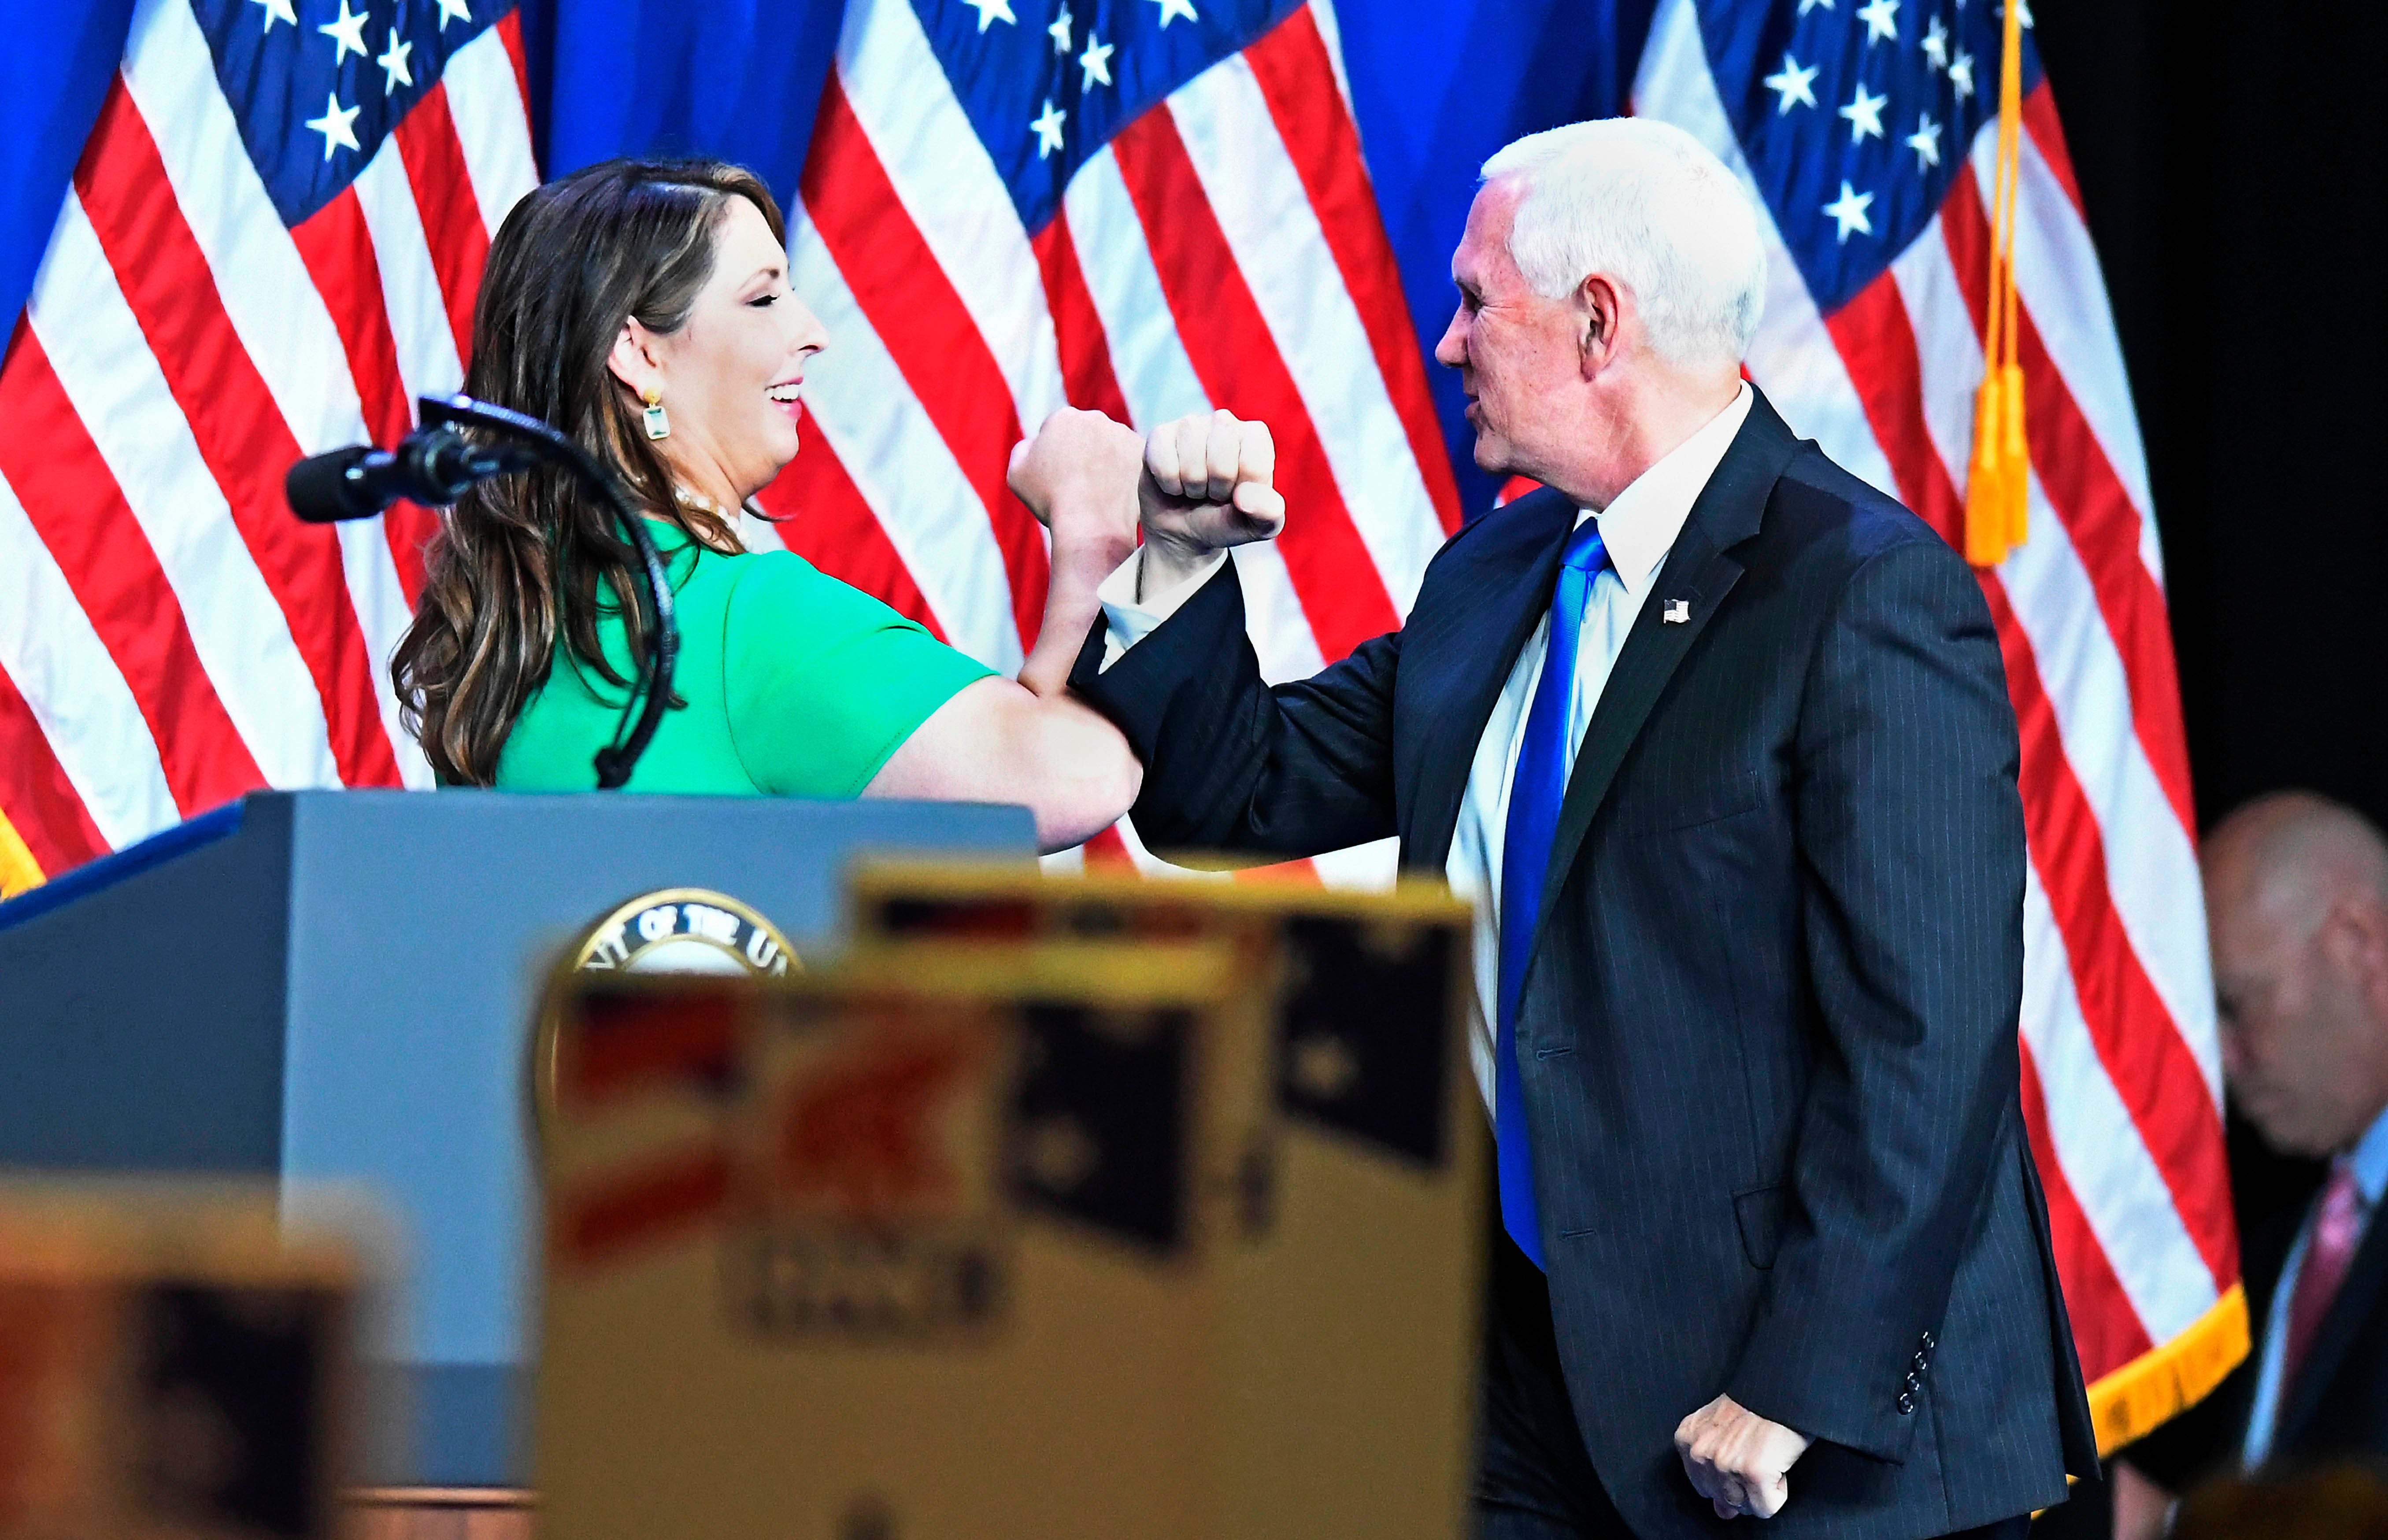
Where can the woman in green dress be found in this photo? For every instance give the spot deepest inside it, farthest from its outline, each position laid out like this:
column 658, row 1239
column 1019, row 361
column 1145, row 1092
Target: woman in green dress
column 644, row 308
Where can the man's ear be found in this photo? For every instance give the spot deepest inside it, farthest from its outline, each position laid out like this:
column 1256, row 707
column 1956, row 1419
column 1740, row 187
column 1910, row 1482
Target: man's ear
column 2357, row 931
column 1598, row 317
column 633, row 359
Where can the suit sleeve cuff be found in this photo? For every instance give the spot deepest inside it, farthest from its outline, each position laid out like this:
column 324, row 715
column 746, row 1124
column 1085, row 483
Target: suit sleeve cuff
column 1128, row 619
column 1823, row 1392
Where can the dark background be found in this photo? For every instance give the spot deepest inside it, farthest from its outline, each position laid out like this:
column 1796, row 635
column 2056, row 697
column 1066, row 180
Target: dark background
column 2234, row 163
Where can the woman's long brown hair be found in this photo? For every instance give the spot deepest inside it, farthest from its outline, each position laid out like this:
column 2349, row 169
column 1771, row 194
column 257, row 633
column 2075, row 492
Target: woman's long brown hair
column 518, row 560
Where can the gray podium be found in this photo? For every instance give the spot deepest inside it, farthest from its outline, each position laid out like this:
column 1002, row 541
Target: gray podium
column 339, row 985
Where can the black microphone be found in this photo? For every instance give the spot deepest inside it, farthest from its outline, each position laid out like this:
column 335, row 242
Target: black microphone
column 434, row 466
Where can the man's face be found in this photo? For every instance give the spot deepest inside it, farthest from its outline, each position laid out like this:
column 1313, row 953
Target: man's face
column 1516, row 351
column 2293, row 1027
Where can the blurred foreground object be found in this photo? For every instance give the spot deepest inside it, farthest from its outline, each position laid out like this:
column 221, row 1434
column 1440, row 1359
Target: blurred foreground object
column 1353, row 994
column 171, row 1364
column 2346, row 1502
column 994, row 1239
column 340, row 986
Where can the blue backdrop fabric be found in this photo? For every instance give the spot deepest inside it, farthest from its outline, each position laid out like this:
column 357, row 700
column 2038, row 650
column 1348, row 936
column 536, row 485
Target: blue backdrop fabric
column 1436, row 89
column 53, row 74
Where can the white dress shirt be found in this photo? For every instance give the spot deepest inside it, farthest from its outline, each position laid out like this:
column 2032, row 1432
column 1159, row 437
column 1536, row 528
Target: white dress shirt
column 2369, row 1161
column 1638, row 528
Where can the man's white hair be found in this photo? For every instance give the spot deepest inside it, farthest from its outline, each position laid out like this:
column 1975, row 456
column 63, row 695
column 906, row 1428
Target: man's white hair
column 1645, row 204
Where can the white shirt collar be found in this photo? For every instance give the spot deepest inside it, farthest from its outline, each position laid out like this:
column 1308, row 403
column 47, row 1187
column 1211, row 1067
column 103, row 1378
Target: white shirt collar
column 1640, row 525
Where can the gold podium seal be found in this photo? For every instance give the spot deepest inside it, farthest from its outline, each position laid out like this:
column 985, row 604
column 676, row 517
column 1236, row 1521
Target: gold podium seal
column 684, row 930
column 669, row 930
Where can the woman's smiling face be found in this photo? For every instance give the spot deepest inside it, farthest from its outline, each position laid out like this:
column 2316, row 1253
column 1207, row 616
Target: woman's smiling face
column 731, row 377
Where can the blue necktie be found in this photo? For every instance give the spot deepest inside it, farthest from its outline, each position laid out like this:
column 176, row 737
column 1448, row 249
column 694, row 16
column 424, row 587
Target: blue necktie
column 1535, row 793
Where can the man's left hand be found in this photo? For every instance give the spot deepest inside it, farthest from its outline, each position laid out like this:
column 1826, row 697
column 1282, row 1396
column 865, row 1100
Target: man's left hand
column 1208, row 484
column 1738, row 1461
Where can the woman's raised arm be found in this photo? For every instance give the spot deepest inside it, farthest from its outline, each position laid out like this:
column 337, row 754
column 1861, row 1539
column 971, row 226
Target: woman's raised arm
column 1031, row 742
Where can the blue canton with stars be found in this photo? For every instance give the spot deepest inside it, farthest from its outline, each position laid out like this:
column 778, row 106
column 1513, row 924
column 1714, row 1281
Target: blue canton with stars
column 318, row 84
column 1047, row 83
column 1854, row 116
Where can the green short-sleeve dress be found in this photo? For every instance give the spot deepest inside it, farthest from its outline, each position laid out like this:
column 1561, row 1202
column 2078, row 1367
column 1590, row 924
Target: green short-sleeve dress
column 796, row 685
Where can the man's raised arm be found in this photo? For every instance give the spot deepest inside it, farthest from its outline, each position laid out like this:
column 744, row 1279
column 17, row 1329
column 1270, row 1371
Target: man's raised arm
column 1230, row 763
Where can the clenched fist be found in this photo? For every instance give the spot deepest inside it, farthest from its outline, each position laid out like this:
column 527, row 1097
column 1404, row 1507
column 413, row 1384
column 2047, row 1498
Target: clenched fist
column 1206, row 486
column 1078, row 476
column 1738, row 1461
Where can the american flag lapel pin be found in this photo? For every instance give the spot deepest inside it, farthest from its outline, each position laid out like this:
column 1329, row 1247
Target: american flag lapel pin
column 1678, row 612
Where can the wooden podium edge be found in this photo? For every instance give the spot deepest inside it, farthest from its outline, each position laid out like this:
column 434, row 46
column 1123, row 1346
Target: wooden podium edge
column 438, row 1513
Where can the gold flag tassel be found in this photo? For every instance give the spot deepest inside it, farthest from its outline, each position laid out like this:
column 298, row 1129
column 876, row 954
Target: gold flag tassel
column 1998, row 483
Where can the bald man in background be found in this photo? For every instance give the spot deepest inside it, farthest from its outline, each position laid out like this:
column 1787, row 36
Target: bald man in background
column 2297, row 896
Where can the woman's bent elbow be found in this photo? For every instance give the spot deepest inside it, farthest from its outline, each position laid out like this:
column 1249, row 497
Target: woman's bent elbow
column 1071, row 808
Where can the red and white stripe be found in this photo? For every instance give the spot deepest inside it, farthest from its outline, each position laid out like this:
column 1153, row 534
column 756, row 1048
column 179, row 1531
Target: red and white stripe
column 184, row 640
column 2123, row 1086
column 1224, row 250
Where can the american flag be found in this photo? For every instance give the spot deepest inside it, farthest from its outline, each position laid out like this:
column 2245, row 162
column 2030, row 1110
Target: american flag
column 271, row 246
column 1866, row 128
column 1150, row 206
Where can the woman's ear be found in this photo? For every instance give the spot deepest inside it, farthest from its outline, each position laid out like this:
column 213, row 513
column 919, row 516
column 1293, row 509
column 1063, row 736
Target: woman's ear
column 634, row 361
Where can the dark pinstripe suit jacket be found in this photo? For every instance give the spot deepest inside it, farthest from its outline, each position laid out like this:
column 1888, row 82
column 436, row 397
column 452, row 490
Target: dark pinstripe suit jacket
column 1768, row 1035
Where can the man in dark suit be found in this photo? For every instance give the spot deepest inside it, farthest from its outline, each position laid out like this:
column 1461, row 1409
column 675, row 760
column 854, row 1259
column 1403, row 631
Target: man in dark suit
column 1718, row 737
column 2296, row 894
